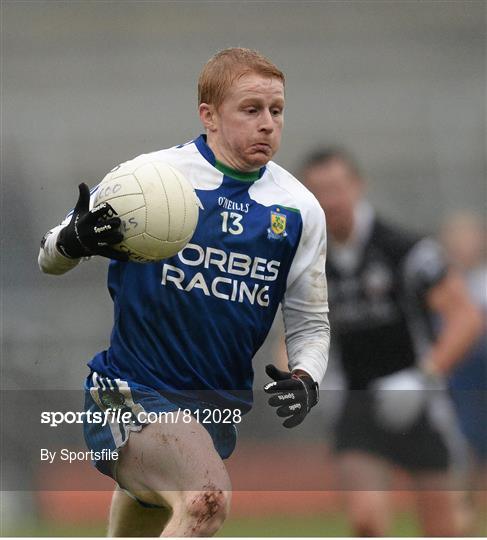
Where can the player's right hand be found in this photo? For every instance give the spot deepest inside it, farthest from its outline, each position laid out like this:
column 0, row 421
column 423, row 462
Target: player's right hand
column 293, row 395
column 91, row 232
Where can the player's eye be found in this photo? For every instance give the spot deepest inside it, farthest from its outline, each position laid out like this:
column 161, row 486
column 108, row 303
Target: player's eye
column 251, row 110
column 276, row 112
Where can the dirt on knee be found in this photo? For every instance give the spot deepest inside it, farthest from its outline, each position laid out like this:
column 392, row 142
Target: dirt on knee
column 208, row 510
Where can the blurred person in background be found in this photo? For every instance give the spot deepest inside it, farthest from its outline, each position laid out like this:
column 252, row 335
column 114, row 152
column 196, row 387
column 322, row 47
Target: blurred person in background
column 464, row 237
column 385, row 283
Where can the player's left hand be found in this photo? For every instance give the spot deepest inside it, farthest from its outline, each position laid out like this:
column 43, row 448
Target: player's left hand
column 293, row 395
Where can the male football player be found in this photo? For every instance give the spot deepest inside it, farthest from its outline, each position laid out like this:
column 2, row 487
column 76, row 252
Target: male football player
column 186, row 328
column 385, row 283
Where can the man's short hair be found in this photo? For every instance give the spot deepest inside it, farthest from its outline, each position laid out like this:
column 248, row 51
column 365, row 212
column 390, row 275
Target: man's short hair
column 228, row 65
column 324, row 156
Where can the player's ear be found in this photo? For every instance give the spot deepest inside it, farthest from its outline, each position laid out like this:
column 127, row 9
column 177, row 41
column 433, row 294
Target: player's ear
column 207, row 116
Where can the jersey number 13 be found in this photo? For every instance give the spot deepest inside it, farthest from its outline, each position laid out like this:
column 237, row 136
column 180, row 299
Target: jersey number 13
column 232, row 222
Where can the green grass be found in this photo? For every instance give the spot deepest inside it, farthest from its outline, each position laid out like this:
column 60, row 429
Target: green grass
column 325, row 525
column 329, row 525
column 50, row 529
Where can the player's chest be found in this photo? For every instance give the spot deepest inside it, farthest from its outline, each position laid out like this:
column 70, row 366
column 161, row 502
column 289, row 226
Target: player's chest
column 370, row 294
column 230, row 220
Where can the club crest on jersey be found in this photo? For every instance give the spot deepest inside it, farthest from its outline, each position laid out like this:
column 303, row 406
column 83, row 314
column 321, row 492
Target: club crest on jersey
column 277, row 230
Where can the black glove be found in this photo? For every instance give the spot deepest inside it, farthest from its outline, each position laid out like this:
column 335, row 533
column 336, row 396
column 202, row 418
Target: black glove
column 91, row 232
column 294, row 395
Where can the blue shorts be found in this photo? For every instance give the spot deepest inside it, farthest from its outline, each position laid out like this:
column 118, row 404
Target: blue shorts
column 132, row 406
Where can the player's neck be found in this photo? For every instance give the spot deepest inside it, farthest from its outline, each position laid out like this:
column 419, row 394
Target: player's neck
column 357, row 229
column 225, row 159
column 342, row 233
column 342, row 236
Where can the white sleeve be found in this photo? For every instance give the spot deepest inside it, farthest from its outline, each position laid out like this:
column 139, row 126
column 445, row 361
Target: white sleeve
column 50, row 259
column 305, row 304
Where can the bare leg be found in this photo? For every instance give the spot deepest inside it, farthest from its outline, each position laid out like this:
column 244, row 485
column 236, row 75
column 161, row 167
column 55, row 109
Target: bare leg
column 365, row 480
column 175, row 465
column 438, row 508
column 129, row 518
column 480, row 496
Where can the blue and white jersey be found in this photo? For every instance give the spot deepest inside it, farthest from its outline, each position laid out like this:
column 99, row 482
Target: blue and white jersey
column 192, row 323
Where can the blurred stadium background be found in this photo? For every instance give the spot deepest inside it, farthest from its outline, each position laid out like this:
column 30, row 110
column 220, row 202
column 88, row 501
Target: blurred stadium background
column 88, row 84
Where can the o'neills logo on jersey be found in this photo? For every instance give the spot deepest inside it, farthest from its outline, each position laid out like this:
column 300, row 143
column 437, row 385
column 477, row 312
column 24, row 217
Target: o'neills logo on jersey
column 232, row 205
column 231, row 266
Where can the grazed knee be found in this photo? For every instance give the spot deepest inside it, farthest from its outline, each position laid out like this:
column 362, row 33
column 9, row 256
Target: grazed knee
column 207, row 510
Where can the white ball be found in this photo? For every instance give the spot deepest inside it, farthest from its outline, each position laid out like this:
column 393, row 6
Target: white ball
column 156, row 204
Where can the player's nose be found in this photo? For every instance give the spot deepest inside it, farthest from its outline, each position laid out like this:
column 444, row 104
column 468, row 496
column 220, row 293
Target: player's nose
column 266, row 121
